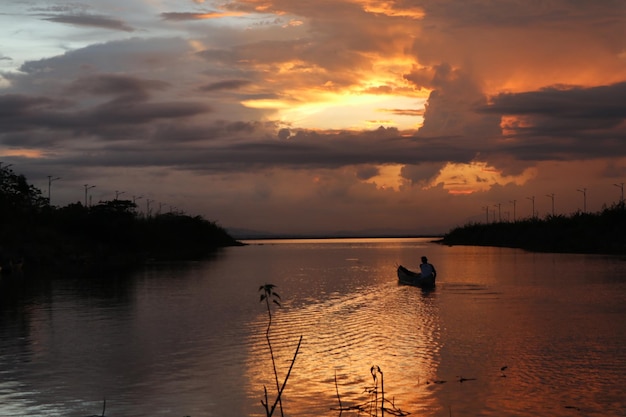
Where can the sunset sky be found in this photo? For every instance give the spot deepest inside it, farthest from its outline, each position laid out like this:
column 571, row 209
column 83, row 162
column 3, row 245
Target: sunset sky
column 318, row 116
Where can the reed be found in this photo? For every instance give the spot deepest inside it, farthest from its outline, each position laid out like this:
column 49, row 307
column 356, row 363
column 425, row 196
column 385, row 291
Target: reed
column 377, row 401
column 267, row 294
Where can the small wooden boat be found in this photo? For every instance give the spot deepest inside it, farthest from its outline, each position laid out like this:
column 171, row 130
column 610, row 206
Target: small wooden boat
column 409, row 277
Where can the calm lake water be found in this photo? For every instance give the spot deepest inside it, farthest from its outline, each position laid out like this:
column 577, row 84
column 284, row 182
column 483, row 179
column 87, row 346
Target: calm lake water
column 189, row 339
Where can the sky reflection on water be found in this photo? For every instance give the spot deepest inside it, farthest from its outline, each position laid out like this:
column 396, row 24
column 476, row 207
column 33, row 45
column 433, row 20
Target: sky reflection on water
column 189, row 339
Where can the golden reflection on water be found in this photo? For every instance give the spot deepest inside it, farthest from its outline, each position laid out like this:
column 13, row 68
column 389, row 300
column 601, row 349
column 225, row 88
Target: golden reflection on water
column 504, row 333
column 396, row 329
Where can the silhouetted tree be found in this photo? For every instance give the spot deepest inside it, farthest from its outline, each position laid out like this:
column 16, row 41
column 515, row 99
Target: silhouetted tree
column 108, row 234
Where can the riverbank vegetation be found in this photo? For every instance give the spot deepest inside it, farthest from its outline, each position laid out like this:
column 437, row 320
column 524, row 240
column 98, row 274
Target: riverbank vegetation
column 109, row 234
column 602, row 232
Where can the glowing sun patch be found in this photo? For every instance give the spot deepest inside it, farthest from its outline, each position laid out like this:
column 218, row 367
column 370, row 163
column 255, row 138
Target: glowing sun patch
column 475, row 177
column 389, row 177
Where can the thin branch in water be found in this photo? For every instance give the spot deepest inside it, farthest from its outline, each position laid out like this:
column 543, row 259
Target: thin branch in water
column 104, row 406
column 293, row 361
column 338, row 396
column 268, row 292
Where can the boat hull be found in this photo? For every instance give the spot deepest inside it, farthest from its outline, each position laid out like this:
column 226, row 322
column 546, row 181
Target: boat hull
column 408, row 277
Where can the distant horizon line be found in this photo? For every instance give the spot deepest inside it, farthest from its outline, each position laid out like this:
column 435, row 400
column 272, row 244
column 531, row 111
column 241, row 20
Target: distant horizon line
column 281, row 236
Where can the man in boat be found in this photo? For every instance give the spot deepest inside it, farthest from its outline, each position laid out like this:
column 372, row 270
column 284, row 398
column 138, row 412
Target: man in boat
column 427, row 269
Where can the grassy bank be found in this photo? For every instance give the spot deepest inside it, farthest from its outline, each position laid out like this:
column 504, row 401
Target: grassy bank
column 602, row 232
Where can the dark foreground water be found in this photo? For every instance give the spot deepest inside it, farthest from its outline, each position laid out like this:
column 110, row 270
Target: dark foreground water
column 189, row 339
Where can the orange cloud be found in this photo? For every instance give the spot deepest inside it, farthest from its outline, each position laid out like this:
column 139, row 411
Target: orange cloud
column 511, row 124
column 475, row 177
column 199, row 16
column 389, row 8
column 305, row 94
column 388, row 177
column 25, row 153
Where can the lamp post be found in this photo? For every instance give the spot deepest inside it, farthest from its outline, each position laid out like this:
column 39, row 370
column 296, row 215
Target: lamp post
column 486, row 213
column 533, row 200
column 118, row 193
column 552, row 197
column 87, row 188
column 584, row 191
column 513, row 201
column 621, row 186
column 50, row 179
column 135, row 198
column 499, row 212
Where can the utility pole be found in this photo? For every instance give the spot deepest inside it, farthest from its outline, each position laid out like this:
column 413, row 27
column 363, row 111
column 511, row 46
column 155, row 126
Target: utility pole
column 621, row 186
column 87, row 188
column 50, row 179
column 513, row 201
column 499, row 212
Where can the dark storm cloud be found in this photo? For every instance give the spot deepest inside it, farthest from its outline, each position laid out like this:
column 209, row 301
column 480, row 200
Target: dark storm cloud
column 113, row 84
column 338, row 60
column 420, row 173
column 99, row 58
column 367, row 172
column 22, row 112
column 206, row 133
column 606, row 103
column 128, row 106
column 140, row 113
column 102, row 22
column 15, row 105
column 153, row 134
column 41, row 114
column 284, row 134
column 521, row 13
column 225, row 85
column 308, row 149
column 564, row 122
column 451, row 104
column 246, row 147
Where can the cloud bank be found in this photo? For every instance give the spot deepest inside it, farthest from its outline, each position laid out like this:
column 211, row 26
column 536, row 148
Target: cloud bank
column 299, row 117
